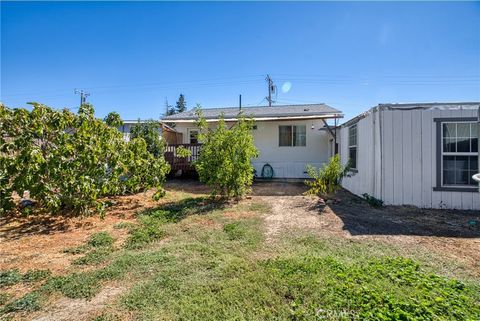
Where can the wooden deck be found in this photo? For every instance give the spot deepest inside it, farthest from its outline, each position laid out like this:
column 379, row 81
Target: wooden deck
column 182, row 163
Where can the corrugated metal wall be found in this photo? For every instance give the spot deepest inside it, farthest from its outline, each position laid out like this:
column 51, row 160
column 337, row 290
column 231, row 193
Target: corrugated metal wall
column 404, row 172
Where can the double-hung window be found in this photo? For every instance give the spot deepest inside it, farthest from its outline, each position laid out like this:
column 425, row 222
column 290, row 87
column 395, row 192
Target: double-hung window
column 352, row 145
column 292, row 135
column 459, row 153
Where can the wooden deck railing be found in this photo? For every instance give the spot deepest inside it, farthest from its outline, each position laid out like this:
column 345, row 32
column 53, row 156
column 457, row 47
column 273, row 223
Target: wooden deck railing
column 184, row 163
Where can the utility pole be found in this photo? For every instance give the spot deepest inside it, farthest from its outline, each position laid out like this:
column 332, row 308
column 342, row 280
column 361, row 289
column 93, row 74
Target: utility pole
column 240, row 102
column 271, row 90
column 167, row 107
column 83, row 96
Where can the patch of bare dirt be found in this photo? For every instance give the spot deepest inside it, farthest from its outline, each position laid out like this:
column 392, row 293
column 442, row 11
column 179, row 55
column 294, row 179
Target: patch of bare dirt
column 449, row 233
column 66, row 309
column 38, row 241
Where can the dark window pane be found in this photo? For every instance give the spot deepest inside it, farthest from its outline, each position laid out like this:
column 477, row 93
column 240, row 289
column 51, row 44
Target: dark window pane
column 463, row 145
column 449, row 145
column 461, row 163
column 474, row 142
column 471, row 181
column 448, row 177
column 193, row 137
column 449, row 162
column 285, row 135
column 449, row 130
column 461, row 177
column 473, row 163
column 353, row 157
column 352, row 135
column 299, row 135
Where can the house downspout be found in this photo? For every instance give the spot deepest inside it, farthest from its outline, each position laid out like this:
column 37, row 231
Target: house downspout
column 476, row 177
column 380, row 141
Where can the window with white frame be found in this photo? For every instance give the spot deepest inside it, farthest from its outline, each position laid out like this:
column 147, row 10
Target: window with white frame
column 459, row 153
column 352, row 145
column 292, row 135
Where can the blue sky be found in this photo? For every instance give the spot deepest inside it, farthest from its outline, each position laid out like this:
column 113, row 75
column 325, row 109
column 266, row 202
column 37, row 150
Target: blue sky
column 130, row 56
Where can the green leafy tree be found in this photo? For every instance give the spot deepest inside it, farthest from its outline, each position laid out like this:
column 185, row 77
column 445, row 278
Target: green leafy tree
column 181, row 104
column 69, row 161
column 113, row 119
column 150, row 132
column 225, row 159
column 327, row 179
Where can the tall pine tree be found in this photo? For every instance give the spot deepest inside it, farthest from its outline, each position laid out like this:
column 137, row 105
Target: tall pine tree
column 181, row 105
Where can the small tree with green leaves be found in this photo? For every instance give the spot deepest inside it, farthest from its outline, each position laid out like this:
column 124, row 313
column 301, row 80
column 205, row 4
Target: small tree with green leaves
column 225, row 158
column 113, row 119
column 150, row 132
column 327, row 179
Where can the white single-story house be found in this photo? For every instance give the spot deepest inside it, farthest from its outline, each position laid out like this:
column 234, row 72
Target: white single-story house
column 414, row 154
column 288, row 137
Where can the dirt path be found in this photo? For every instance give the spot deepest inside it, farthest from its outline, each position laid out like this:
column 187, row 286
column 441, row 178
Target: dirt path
column 295, row 212
column 67, row 309
column 446, row 233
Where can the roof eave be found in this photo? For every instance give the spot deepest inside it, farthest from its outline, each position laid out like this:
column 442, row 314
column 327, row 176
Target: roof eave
column 267, row 118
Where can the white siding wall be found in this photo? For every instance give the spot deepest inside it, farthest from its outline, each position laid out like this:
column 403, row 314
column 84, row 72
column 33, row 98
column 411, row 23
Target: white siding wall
column 408, row 159
column 287, row 162
column 367, row 179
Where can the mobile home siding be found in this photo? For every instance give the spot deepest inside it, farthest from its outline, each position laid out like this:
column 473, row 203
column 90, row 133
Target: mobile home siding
column 366, row 179
column 407, row 155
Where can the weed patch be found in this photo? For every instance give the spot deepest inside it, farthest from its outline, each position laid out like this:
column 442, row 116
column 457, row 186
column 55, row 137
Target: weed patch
column 379, row 289
column 29, row 302
column 10, row 277
column 100, row 239
column 95, row 256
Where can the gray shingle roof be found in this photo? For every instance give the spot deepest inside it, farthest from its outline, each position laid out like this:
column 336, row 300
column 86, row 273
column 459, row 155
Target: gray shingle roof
column 260, row 112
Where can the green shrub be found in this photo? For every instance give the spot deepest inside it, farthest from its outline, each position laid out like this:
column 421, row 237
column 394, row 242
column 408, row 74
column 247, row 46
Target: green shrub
column 68, row 161
column 372, row 201
column 327, row 180
column 224, row 163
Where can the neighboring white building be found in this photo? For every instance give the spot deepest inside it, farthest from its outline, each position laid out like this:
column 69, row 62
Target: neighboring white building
column 287, row 137
column 414, row 154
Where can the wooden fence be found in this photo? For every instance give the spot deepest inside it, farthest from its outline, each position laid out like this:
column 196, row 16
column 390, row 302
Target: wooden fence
column 182, row 163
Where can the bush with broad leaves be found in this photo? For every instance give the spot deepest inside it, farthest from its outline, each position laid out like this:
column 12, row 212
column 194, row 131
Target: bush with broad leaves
column 69, row 161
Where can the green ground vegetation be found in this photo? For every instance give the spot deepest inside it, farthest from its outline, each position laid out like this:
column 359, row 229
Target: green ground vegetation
column 187, row 260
